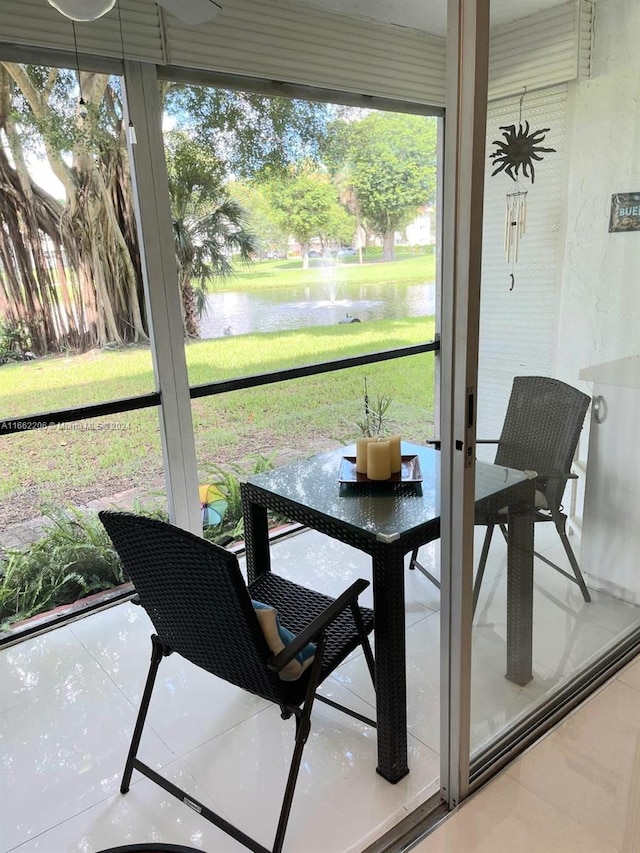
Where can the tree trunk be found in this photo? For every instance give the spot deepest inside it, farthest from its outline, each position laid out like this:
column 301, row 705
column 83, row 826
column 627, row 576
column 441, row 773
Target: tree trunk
column 305, row 255
column 98, row 295
column 388, row 244
column 189, row 312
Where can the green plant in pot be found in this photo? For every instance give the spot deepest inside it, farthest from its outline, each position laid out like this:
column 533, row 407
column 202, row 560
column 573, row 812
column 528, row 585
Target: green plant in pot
column 375, row 421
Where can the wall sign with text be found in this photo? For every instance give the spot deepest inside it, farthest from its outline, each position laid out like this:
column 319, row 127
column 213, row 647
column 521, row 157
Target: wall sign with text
column 625, row 212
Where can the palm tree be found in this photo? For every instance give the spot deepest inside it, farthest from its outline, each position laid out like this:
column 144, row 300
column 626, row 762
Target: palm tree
column 209, row 227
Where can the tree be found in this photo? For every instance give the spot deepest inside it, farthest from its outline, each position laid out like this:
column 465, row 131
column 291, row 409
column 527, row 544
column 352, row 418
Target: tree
column 253, row 134
column 208, row 225
column 307, row 205
column 390, row 161
column 265, row 223
column 70, row 270
column 91, row 234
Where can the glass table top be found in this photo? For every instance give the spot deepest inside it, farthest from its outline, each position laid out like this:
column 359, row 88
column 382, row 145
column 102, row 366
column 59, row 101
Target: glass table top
column 386, row 510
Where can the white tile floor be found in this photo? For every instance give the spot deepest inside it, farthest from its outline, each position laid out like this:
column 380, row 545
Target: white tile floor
column 69, row 698
column 575, row 791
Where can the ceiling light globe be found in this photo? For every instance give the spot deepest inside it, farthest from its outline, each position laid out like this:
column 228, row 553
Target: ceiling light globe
column 83, row 10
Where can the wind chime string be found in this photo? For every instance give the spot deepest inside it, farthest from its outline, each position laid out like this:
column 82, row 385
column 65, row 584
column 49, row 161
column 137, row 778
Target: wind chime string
column 131, row 129
column 81, row 102
column 515, row 217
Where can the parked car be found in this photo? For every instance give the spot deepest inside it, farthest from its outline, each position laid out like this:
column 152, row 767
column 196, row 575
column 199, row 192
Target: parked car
column 346, row 250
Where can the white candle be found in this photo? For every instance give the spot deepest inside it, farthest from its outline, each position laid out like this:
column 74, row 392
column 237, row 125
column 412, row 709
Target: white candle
column 379, row 460
column 361, row 454
column 396, row 454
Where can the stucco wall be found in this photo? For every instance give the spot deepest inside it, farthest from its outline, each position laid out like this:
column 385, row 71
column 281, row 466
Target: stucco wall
column 599, row 311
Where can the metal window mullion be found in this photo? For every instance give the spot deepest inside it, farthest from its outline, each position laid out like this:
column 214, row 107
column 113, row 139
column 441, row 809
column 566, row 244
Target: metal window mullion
column 155, row 233
column 438, row 247
column 467, row 72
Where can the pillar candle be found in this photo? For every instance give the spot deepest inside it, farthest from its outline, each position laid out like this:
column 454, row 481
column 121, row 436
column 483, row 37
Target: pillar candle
column 379, row 460
column 361, row 454
column 396, row 454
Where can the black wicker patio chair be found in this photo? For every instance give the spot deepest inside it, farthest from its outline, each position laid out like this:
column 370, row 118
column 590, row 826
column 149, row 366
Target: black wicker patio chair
column 201, row 608
column 540, row 433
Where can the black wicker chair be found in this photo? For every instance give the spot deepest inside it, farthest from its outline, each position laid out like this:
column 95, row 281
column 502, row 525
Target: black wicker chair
column 200, row 607
column 540, row 433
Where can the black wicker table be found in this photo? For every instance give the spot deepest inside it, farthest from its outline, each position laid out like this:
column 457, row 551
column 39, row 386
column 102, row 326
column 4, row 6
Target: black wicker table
column 388, row 521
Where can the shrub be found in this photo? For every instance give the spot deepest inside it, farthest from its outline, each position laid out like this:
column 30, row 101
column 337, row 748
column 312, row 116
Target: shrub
column 228, row 481
column 74, row 558
column 14, row 341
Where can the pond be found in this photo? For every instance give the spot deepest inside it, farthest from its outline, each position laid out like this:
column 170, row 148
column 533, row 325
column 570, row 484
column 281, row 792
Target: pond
column 321, row 304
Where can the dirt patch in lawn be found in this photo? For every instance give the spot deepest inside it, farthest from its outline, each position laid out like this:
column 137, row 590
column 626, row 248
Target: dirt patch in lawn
column 27, row 503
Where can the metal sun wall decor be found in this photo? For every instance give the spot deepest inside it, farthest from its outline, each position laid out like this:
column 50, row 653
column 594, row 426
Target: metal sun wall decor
column 518, row 151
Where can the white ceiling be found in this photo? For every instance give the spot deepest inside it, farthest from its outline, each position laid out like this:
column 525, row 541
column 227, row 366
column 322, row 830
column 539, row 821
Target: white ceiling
column 429, row 15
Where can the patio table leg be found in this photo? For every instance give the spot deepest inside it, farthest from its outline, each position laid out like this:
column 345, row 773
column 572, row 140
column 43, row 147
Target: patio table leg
column 390, row 657
column 256, row 538
column 520, row 592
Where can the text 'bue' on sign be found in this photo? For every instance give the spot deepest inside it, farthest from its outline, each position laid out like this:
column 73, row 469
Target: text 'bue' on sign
column 625, row 212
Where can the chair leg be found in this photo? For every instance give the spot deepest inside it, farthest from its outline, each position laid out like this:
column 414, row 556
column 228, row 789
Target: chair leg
column 414, row 564
column 157, row 652
column 562, row 533
column 364, row 641
column 303, row 727
column 482, row 565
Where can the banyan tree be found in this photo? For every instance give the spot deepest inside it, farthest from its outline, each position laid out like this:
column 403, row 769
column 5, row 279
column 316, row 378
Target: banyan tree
column 70, row 273
column 69, row 268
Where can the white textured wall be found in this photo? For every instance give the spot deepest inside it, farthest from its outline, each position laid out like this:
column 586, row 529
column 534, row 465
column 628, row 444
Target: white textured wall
column 599, row 318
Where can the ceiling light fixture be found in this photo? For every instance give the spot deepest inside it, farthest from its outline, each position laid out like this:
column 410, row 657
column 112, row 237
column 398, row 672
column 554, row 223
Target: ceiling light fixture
column 83, row 10
column 192, row 12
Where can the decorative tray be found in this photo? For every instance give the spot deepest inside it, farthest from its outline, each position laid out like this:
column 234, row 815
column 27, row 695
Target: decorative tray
column 409, row 473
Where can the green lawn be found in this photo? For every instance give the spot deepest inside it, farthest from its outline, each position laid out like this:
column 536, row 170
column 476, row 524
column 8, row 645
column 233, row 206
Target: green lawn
column 70, row 465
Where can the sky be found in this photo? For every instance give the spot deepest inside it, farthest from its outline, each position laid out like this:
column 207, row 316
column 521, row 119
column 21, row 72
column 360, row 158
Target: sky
column 44, row 177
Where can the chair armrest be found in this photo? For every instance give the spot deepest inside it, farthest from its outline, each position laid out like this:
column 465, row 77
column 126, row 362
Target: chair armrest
column 317, row 625
column 557, row 475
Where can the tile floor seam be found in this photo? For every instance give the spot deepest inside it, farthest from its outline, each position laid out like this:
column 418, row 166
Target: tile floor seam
column 59, row 823
column 620, row 678
column 191, row 750
column 134, row 707
column 555, row 732
column 562, row 812
column 353, row 693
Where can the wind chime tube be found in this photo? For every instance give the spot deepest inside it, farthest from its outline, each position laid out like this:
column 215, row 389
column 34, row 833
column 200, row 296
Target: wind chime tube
column 507, row 221
column 515, row 224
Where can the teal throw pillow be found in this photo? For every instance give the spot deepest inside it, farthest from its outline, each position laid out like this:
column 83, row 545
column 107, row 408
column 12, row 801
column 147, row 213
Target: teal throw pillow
column 277, row 637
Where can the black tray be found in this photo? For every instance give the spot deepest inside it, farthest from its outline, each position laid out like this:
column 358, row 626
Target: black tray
column 409, row 473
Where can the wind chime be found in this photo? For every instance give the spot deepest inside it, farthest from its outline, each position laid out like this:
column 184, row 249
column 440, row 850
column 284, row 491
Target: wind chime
column 515, row 224
column 518, row 151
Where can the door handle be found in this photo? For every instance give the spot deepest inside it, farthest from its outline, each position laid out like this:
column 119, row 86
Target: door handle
column 599, row 409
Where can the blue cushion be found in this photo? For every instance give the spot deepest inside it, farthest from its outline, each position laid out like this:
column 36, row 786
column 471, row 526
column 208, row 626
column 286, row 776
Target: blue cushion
column 277, row 637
